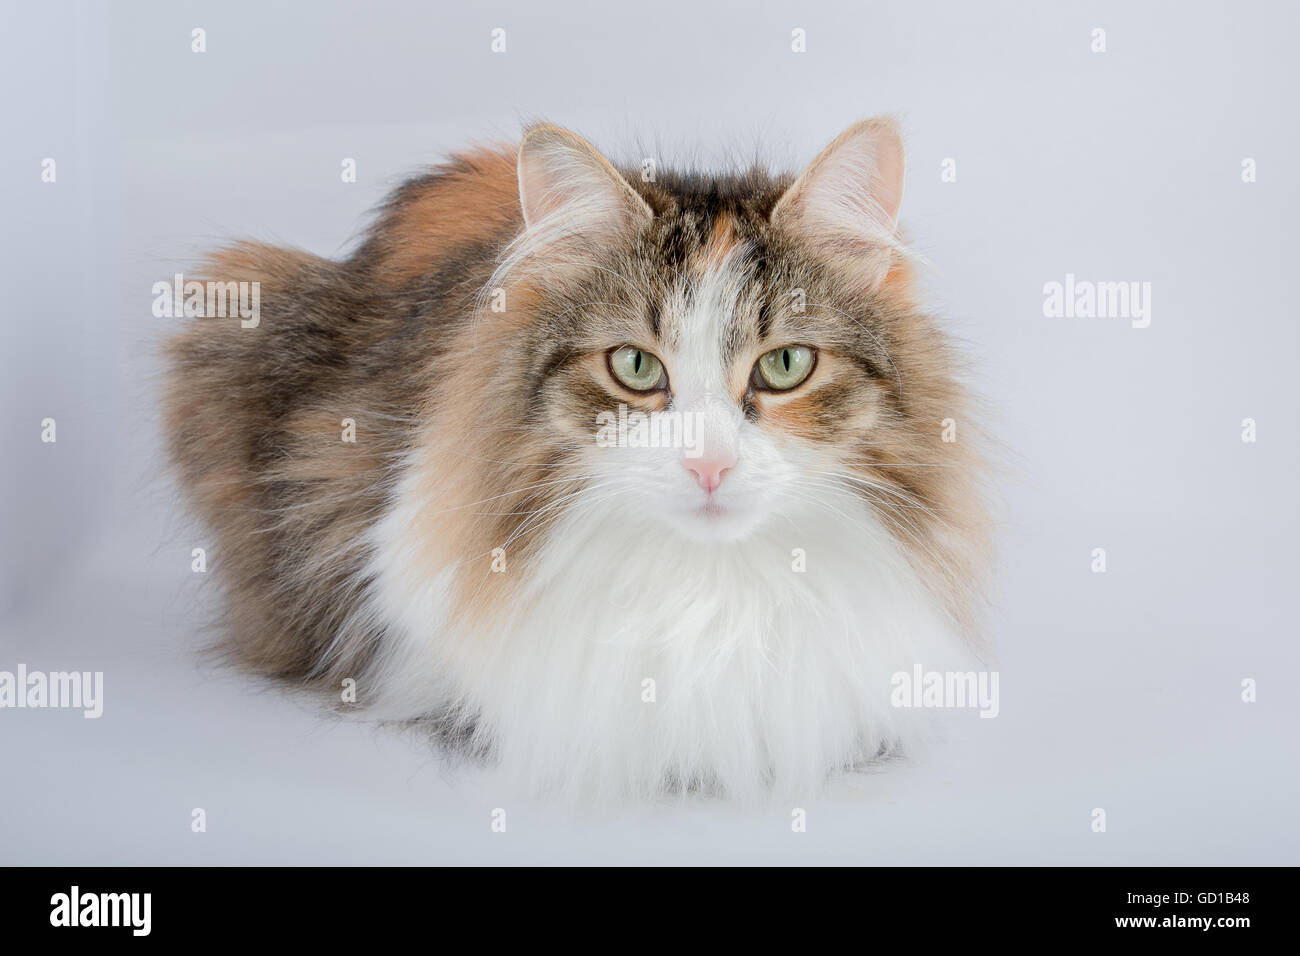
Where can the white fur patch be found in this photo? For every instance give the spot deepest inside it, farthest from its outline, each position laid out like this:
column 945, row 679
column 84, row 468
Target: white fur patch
column 765, row 679
column 651, row 650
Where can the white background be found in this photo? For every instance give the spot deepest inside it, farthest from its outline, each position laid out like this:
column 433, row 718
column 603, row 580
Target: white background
column 1119, row 690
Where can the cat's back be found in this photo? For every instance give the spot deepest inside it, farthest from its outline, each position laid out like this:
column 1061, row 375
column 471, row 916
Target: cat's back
column 284, row 425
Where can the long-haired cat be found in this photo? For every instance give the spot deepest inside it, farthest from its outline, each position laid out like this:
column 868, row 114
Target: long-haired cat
column 436, row 468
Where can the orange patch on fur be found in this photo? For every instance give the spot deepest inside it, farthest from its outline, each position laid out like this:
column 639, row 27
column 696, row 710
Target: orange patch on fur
column 898, row 284
column 722, row 239
column 477, row 197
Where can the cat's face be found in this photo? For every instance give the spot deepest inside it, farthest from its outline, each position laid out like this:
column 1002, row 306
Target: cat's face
column 718, row 399
column 715, row 357
column 765, row 330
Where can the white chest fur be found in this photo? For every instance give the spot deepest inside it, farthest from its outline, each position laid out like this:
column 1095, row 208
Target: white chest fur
column 637, row 659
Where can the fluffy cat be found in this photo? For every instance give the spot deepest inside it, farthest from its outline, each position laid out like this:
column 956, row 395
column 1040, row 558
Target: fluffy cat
column 492, row 557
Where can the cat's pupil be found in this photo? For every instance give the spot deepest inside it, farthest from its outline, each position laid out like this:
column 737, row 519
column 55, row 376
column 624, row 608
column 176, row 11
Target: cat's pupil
column 636, row 364
column 785, row 359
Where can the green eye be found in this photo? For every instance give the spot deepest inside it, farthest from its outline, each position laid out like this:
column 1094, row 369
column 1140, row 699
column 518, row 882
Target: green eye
column 782, row 369
column 640, row 371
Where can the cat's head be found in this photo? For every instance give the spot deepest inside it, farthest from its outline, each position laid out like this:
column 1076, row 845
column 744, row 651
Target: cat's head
column 714, row 354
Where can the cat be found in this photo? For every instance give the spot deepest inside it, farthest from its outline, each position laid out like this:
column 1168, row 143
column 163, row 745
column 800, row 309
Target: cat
column 401, row 467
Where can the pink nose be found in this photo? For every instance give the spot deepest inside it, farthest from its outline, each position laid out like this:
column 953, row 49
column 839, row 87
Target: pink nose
column 709, row 469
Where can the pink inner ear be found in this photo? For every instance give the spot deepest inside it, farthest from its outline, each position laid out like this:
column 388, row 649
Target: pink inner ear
column 853, row 190
column 552, row 176
column 566, row 184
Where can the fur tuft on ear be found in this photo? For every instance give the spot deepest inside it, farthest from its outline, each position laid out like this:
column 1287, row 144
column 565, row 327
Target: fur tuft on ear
column 568, row 188
column 575, row 204
column 847, row 200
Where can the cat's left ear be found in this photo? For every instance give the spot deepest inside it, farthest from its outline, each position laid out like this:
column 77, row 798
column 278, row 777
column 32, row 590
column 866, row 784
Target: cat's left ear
column 846, row 202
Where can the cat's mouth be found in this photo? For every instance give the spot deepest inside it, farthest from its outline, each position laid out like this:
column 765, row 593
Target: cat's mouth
column 712, row 521
column 712, row 510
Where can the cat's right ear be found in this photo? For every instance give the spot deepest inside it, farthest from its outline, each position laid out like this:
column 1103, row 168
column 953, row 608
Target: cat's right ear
column 570, row 193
